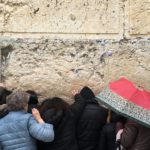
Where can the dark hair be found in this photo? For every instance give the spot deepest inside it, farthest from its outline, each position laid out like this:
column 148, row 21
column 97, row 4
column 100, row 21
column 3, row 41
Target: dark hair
column 53, row 110
column 55, row 103
column 3, row 94
column 53, row 116
column 33, row 97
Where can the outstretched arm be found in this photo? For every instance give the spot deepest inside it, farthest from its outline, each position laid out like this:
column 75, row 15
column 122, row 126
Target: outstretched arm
column 39, row 129
column 37, row 116
column 78, row 106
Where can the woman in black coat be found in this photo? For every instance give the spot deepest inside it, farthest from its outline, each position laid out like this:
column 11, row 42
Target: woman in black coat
column 92, row 120
column 64, row 118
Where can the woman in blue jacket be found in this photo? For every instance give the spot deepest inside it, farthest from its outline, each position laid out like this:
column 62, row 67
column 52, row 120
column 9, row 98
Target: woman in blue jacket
column 19, row 129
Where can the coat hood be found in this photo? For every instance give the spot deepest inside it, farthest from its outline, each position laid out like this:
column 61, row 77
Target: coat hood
column 87, row 93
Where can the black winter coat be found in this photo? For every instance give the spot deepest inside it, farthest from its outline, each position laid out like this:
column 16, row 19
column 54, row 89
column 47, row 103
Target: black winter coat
column 65, row 134
column 107, row 139
column 92, row 120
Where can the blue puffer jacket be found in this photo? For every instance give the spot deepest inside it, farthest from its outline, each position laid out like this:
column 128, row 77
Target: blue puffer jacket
column 18, row 130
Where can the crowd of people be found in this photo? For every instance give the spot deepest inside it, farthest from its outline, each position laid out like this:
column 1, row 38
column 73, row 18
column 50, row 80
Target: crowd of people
column 53, row 124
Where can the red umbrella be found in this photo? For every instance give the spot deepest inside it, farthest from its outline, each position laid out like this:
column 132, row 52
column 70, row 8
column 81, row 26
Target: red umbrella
column 128, row 99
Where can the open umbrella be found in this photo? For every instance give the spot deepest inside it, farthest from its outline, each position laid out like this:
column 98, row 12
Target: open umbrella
column 128, row 99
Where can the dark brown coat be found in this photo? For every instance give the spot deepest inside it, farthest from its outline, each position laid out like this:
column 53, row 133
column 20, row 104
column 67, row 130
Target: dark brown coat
column 135, row 137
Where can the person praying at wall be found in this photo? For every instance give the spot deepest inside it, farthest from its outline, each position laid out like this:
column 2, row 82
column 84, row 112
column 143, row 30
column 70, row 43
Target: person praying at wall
column 65, row 118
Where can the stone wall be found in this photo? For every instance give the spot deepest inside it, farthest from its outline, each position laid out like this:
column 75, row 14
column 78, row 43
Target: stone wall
column 53, row 46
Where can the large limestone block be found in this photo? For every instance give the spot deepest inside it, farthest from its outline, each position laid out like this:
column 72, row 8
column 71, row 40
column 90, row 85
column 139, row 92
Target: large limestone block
column 63, row 16
column 52, row 68
column 139, row 17
column 55, row 67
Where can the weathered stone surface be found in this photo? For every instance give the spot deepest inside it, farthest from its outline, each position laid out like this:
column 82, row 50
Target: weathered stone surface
column 140, row 17
column 62, row 16
column 84, row 19
column 2, row 8
column 55, row 67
